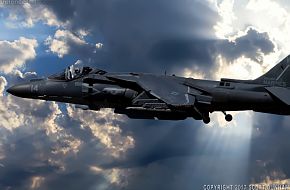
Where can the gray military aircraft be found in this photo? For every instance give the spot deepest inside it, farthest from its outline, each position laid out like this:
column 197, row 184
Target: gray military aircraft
column 163, row 97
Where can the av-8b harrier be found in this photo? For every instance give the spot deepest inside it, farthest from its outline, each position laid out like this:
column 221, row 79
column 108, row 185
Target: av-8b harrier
column 150, row 96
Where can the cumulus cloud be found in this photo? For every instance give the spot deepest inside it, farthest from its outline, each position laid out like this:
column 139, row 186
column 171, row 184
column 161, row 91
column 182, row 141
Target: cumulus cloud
column 25, row 75
column 252, row 44
column 35, row 13
column 266, row 16
column 16, row 53
column 102, row 127
column 59, row 44
column 64, row 143
column 65, row 42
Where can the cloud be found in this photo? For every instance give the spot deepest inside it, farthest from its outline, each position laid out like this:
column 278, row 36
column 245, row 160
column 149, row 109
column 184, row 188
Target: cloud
column 272, row 17
column 103, row 128
column 60, row 42
column 252, row 44
column 224, row 27
column 16, row 53
column 169, row 38
column 241, row 68
column 242, row 56
column 58, row 145
column 239, row 56
column 3, row 83
column 65, row 42
column 28, row 14
column 37, row 13
column 203, row 53
column 271, row 162
column 131, row 30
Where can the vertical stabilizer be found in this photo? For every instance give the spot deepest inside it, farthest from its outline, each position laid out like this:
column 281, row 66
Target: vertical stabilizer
column 279, row 75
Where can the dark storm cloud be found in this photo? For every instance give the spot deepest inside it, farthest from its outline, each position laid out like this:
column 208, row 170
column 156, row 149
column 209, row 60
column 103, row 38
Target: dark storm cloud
column 35, row 150
column 183, row 154
column 187, row 52
column 252, row 45
column 270, row 147
column 203, row 52
column 154, row 36
column 30, row 152
column 17, row 173
column 131, row 30
column 176, row 51
column 185, row 173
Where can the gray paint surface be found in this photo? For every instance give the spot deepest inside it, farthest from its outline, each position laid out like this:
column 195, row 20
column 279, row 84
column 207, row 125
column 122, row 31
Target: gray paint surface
column 140, row 95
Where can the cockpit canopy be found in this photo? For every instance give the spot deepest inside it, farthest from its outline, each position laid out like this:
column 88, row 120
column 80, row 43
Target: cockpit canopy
column 74, row 72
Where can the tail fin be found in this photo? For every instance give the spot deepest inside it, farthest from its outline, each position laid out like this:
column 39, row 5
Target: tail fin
column 279, row 75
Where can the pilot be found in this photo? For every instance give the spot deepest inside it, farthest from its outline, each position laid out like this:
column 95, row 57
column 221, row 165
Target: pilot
column 77, row 71
column 68, row 73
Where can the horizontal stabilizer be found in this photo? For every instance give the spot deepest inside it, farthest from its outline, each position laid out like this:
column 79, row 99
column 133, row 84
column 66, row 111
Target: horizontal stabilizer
column 281, row 93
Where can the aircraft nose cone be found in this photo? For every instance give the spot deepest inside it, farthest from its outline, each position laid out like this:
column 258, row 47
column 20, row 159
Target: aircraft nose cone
column 22, row 90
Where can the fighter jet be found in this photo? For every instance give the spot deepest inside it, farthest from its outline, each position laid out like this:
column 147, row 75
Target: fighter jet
column 162, row 97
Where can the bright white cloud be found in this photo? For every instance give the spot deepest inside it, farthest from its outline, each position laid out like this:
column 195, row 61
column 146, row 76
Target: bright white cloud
column 66, row 34
column 3, row 83
column 99, row 45
column 64, row 42
column 15, row 54
column 242, row 68
column 225, row 26
column 194, row 72
column 60, row 43
column 57, row 46
column 24, row 75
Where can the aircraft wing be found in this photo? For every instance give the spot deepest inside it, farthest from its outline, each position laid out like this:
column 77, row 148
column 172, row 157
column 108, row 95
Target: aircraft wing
column 281, row 93
column 171, row 90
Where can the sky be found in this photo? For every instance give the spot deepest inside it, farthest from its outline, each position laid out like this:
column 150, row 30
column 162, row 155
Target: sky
column 49, row 145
